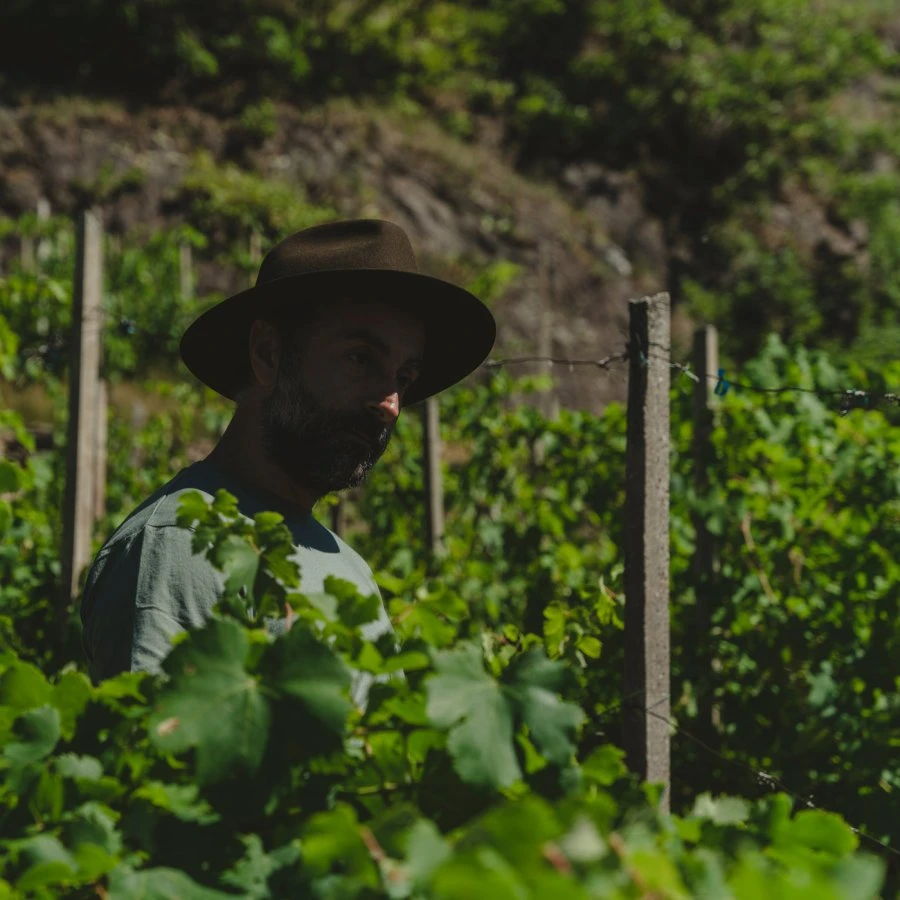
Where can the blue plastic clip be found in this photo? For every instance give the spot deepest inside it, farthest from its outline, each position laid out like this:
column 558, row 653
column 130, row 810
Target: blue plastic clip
column 722, row 385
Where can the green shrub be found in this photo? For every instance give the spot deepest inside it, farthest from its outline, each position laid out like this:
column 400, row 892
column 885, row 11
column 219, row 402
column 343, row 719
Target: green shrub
column 247, row 771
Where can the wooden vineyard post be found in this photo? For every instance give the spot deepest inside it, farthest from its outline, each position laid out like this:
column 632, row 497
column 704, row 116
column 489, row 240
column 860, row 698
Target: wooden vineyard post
column 35, row 249
column 43, row 244
column 255, row 251
column 549, row 401
column 81, row 446
column 339, row 516
column 705, row 365
column 434, row 482
column 186, row 271
column 100, row 449
column 647, row 670
column 26, row 253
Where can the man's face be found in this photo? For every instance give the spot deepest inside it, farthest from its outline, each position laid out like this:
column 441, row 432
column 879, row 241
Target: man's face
column 338, row 392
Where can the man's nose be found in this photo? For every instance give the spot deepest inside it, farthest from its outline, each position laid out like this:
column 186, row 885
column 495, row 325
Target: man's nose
column 387, row 408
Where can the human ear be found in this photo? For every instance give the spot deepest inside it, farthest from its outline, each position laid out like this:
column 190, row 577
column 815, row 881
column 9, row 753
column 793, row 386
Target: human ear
column 265, row 352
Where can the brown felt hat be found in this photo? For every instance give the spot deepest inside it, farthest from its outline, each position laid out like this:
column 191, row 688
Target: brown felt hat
column 367, row 259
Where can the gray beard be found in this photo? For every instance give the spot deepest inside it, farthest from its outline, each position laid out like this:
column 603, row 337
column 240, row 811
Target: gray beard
column 311, row 443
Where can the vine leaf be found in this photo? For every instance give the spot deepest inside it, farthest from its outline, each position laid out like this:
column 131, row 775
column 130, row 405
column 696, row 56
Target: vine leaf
column 426, row 849
column 37, row 731
column 45, row 860
column 308, row 674
column 818, row 830
column 23, row 686
column 532, row 682
column 482, row 713
column 239, row 561
column 212, row 703
column 158, row 884
column 252, row 872
column 463, row 698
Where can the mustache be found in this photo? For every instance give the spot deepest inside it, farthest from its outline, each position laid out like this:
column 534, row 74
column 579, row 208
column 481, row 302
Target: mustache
column 372, row 430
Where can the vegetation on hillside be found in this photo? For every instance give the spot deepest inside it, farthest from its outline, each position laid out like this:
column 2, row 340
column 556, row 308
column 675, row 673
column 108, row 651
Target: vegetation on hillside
column 764, row 132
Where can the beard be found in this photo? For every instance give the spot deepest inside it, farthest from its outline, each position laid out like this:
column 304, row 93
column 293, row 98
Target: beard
column 322, row 449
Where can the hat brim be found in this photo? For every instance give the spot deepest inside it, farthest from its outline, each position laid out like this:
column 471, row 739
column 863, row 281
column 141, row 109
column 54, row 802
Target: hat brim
column 459, row 329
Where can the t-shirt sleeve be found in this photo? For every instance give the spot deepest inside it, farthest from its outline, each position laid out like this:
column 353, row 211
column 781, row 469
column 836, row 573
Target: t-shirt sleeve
column 140, row 595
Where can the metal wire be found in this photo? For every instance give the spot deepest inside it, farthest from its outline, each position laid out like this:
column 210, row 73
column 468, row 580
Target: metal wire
column 850, row 398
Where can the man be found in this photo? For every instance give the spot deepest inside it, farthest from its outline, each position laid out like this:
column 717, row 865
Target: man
column 339, row 333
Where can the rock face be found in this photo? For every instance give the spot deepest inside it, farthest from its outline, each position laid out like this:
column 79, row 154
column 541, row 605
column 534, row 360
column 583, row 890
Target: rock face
column 582, row 246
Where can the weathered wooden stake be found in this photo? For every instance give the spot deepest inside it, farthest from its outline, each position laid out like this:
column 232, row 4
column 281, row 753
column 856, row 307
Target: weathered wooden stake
column 646, row 681
column 43, row 244
column 434, row 481
column 100, row 449
column 81, row 465
column 705, row 365
column 255, row 255
column 549, row 401
column 339, row 516
column 26, row 253
column 186, row 271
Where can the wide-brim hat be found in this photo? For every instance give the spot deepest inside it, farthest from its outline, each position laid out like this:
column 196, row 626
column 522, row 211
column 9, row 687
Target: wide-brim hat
column 367, row 259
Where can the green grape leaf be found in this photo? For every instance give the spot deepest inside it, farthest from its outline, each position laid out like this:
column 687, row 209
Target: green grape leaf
column 278, row 553
column 407, row 661
column 179, row 799
column 70, row 696
column 605, row 765
column 305, row 671
column 192, row 507
column 463, row 698
column 251, row 873
column 6, row 517
column 858, row 877
column 816, row 830
column 23, row 686
column 92, row 835
column 239, row 562
column 354, row 609
column 85, row 768
column 532, row 681
column 47, row 860
column 225, row 504
column 212, row 703
column 158, row 884
column 46, row 799
column 583, row 844
column 37, row 731
column 426, row 849
column 10, row 476
column 332, row 839
column 722, row 810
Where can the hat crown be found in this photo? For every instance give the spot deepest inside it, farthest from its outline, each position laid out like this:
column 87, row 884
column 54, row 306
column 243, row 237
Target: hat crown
column 353, row 244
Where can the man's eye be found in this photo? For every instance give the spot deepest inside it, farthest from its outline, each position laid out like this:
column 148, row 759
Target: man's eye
column 358, row 356
column 405, row 379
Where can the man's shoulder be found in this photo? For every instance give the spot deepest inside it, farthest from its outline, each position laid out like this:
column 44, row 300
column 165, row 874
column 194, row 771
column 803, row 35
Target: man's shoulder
column 324, row 553
column 159, row 510
column 349, row 553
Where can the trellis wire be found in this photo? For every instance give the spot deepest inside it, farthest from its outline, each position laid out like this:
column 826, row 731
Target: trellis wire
column 766, row 779
column 849, row 398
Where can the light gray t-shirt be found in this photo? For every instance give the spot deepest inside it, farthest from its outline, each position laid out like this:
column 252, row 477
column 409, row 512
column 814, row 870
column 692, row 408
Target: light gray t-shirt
column 146, row 584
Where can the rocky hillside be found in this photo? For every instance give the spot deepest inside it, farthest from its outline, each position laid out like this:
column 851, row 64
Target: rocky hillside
column 584, row 246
